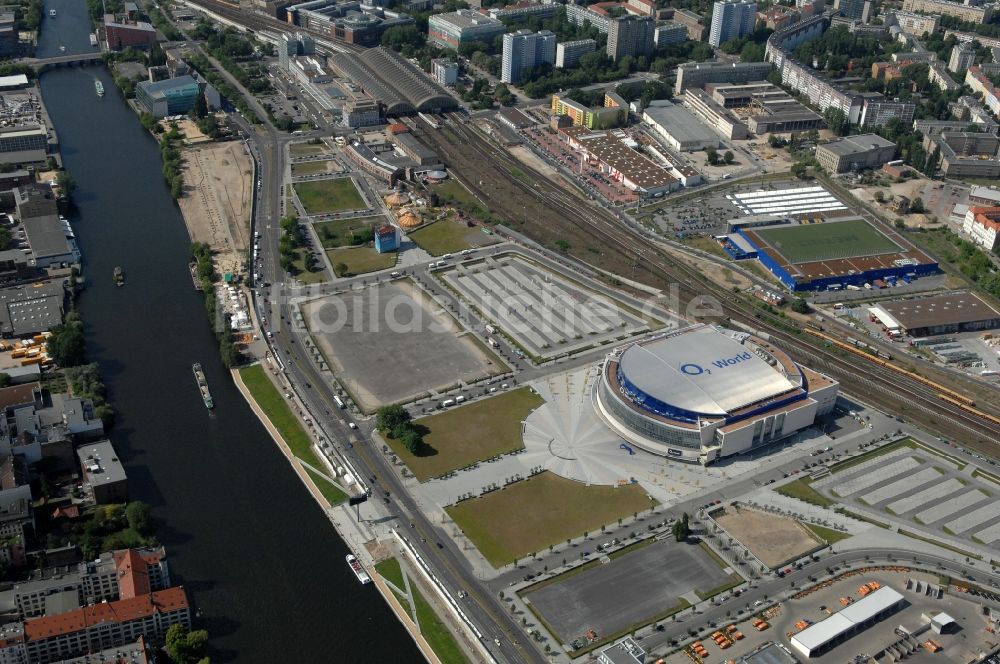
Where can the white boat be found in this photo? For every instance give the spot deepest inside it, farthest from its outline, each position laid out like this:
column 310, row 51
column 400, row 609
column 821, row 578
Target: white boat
column 358, row 569
column 93, row 39
column 62, row 47
column 52, row 13
column 99, row 87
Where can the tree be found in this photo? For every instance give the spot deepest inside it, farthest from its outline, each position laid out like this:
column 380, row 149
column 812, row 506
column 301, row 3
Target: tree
column 933, row 160
column 5, row 380
column 66, row 183
column 728, row 157
column 66, row 345
column 917, row 206
column 837, row 120
column 879, row 197
column 140, row 517
column 713, row 155
column 681, row 529
column 340, row 269
column 200, row 109
column 800, row 306
column 389, row 417
column 183, row 646
column 799, row 170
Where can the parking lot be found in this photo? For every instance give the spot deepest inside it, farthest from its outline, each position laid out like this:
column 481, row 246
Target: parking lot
column 394, row 325
column 929, row 490
column 543, row 313
column 626, row 591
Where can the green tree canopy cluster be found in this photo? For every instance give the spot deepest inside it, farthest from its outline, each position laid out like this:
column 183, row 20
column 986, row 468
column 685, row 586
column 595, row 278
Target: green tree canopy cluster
column 396, row 421
column 66, row 345
column 186, row 647
column 85, row 382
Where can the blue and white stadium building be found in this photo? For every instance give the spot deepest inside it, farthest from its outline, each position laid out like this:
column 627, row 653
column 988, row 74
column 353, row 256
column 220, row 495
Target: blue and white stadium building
column 706, row 392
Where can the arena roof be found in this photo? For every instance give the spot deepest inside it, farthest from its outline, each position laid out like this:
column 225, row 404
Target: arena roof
column 394, row 81
column 702, row 370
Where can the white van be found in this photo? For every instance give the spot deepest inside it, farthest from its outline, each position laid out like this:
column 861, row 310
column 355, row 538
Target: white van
column 447, row 402
column 459, row 399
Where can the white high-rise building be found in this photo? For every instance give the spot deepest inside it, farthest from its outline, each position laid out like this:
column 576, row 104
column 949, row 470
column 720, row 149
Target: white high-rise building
column 732, row 19
column 523, row 50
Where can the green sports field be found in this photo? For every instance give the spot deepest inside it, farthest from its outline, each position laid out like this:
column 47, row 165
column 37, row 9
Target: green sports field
column 830, row 240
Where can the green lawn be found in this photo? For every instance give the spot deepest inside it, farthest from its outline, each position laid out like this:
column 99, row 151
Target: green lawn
column 542, row 511
column 322, row 196
column 276, row 409
column 306, row 149
column 330, row 492
column 431, row 627
column 816, row 242
column 451, row 190
column 706, row 244
column 314, row 167
column 346, row 232
column 391, row 571
column 455, row 438
column 304, row 275
column 443, row 237
column 828, row 535
column 359, row 260
column 802, row 490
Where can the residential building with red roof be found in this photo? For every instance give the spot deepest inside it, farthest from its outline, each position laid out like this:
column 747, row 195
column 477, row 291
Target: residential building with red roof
column 982, row 225
column 105, row 625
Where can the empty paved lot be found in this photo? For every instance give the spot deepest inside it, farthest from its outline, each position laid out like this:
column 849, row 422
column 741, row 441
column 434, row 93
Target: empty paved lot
column 627, row 591
column 391, row 344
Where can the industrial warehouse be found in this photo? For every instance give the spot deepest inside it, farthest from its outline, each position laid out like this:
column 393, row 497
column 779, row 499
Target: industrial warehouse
column 705, row 392
column 940, row 314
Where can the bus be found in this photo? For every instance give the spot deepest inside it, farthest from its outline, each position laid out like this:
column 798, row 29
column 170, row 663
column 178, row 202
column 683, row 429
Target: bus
column 340, row 402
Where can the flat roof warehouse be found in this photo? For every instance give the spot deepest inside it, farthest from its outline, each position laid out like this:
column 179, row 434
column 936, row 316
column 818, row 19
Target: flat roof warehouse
column 931, row 312
column 824, row 635
column 634, row 167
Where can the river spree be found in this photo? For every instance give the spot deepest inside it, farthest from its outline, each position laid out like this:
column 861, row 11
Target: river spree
column 257, row 555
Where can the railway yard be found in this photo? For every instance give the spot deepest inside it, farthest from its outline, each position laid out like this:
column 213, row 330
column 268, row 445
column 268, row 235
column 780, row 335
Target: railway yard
column 546, row 213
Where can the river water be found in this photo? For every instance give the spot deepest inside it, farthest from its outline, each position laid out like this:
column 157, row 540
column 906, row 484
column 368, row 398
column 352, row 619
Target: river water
column 257, row 555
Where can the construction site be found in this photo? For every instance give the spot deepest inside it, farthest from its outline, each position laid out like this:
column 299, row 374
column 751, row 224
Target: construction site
column 218, row 181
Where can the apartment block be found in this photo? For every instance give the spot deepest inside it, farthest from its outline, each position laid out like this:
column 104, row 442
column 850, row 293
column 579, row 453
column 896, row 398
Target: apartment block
column 631, row 35
column 524, row 50
column 965, row 12
column 568, row 54
column 731, row 19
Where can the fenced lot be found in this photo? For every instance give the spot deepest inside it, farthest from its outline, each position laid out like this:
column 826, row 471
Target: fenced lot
column 774, row 539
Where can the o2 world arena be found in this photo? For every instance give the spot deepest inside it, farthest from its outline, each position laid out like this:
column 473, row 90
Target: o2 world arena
column 705, row 392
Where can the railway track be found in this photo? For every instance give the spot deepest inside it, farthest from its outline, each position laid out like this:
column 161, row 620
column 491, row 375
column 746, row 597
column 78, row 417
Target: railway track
column 891, row 391
column 261, row 22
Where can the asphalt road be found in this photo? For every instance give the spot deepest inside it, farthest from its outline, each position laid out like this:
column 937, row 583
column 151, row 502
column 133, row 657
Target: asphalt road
column 450, row 566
